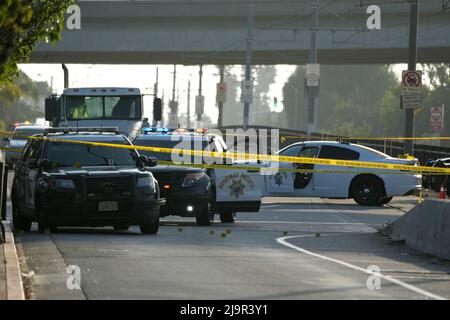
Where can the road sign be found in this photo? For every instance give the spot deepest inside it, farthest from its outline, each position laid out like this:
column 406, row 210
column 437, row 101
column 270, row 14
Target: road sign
column 221, row 95
column 411, row 88
column 437, row 118
column 312, row 74
column 412, row 78
column 199, row 104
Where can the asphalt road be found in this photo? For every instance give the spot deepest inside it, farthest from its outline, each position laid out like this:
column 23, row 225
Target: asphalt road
column 292, row 249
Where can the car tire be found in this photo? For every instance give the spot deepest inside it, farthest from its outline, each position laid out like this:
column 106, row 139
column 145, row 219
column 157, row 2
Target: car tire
column 206, row 215
column 149, row 227
column 384, row 201
column 121, row 227
column 19, row 221
column 43, row 223
column 367, row 191
column 227, row 217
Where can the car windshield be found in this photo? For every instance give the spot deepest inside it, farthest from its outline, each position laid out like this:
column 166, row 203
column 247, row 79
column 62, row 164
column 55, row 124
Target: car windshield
column 62, row 154
column 193, row 144
column 23, row 133
column 97, row 107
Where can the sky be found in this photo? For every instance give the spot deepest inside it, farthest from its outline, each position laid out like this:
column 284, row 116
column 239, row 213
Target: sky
column 144, row 77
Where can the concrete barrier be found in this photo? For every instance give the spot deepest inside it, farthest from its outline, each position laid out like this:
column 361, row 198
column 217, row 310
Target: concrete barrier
column 426, row 228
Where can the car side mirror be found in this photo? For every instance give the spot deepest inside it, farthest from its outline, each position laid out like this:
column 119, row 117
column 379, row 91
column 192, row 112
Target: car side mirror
column 45, row 164
column 152, row 162
column 148, row 161
column 6, row 139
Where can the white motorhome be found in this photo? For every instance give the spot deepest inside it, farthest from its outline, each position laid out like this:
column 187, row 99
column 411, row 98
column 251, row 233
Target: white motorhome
column 97, row 107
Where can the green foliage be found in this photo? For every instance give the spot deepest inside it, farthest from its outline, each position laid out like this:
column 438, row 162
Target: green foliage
column 365, row 100
column 23, row 24
column 19, row 100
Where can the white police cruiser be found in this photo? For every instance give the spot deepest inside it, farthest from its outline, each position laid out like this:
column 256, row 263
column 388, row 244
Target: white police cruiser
column 368, row 187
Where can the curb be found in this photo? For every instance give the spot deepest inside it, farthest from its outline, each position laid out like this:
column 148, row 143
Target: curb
column 14, row 285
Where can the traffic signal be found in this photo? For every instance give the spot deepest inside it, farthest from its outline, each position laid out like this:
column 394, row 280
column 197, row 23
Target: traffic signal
column 157, row 109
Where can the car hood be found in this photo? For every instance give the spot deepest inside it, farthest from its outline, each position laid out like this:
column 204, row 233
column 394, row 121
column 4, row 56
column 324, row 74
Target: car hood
column 167, row 168
column 93, row 171
column 17, row 143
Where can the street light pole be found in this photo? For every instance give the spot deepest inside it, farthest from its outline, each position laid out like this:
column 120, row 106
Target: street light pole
column 248, row 62
column 312, row 91
column 412, row 61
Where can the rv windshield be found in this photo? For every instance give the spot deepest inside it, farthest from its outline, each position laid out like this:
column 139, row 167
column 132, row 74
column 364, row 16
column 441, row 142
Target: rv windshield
column 103, row 107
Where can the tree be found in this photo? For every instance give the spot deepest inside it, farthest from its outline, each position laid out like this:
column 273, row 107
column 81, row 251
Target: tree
column 19, row 100
column 23, row 24
column 349, row 99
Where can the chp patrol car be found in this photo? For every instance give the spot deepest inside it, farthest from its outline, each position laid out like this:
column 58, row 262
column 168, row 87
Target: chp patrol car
column 198, row 191
column 59, row 182
column 368, row 187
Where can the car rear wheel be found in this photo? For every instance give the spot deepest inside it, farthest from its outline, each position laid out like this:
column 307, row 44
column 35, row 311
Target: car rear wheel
column 149, row 227
column 227, row 217
column 44, row 225
column 206, row 215
column 367, row 191
column 19, row 221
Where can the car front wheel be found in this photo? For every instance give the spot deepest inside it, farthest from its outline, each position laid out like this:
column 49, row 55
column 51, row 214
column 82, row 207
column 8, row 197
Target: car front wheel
column 149, row 227
column 206, row 215
column 367, row 191
column 227, row 217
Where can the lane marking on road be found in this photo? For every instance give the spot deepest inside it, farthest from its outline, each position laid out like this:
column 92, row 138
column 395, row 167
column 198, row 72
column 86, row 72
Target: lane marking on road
column 282, row 241
column 303, row 222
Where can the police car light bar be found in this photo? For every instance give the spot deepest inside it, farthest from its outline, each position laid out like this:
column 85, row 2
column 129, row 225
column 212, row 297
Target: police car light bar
column 81, row 129
column 156, row 130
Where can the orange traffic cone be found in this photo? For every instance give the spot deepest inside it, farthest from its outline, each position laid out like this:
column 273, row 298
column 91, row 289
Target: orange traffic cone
column 442, row 192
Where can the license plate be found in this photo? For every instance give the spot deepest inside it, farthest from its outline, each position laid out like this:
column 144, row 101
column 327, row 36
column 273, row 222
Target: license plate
column 108, row 206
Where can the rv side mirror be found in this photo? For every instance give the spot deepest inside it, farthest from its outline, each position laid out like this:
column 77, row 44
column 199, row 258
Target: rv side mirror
column 157, row 109
column 51, row 108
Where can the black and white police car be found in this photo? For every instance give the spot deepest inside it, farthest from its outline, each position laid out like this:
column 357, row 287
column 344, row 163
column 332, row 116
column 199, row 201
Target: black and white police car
column 59, row 182
column 196, row 191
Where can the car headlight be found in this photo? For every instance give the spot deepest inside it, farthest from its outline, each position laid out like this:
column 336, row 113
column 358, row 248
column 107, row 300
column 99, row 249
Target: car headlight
column 146, row 182
column 192, row 178
column 62, row 184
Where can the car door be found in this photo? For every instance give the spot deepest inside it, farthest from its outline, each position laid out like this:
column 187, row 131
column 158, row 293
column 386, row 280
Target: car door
column 303, row 180
column 279, row 181
column 30, row 174
column 20, row 177
column 334, row 185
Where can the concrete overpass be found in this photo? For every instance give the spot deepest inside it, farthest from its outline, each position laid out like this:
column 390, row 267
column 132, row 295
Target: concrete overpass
column 214, row 32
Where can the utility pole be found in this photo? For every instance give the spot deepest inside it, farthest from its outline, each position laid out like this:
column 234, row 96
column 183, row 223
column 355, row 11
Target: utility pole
column 155, row 88
column 248, row 87
column 189, row 104
column 312, row 91
column 199, row 101
column 220, row 104
column 173, row 104
column 174, row 81
column 412, row 61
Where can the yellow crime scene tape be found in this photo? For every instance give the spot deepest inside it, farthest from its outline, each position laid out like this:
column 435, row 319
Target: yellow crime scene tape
column 404, row 169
